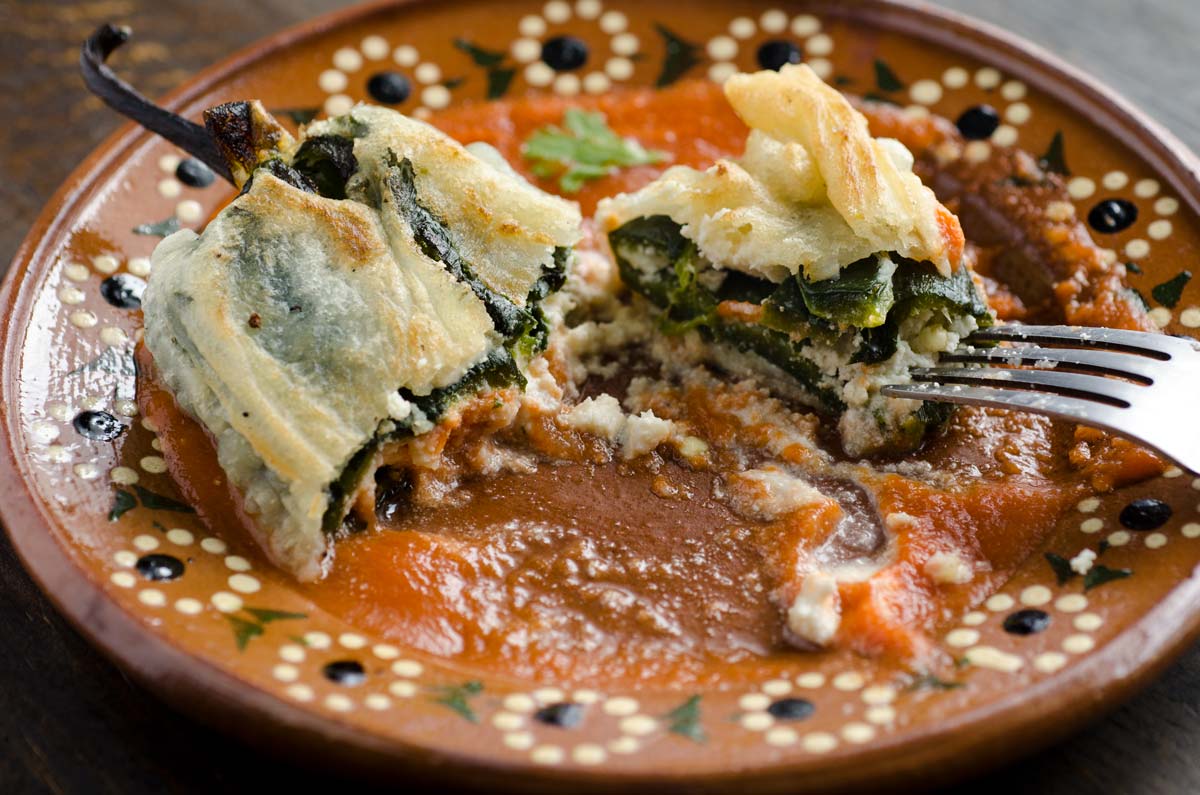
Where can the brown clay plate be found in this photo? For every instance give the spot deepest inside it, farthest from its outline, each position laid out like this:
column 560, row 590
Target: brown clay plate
column 215, row 630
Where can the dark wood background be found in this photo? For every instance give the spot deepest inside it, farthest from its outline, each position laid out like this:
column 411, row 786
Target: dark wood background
column 71, row 723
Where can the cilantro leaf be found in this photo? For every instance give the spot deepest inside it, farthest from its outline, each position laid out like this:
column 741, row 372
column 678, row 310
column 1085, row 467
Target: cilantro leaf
column 587, row 149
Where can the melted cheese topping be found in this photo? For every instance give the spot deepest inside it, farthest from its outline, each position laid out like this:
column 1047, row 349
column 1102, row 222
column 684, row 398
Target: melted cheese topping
column 813, row 192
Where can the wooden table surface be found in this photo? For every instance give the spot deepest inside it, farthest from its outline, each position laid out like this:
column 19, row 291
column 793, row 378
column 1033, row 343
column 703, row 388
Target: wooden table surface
column 71, row 723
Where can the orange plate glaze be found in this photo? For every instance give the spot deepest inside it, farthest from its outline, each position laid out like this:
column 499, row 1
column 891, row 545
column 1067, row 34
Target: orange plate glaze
column 241, row 645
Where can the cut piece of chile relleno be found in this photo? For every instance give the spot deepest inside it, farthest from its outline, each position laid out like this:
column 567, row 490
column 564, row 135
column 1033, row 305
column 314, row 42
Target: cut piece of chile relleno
column 817, row 256
column 344, row 243
column 795, row 324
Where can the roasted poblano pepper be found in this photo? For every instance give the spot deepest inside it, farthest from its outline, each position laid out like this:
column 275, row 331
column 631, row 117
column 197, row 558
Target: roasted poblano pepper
column 790, row 324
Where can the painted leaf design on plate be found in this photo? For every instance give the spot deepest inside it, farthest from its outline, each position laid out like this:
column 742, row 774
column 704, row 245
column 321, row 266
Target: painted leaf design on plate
column 933, row 682
column 684, row 720
column 1055, row 158
column 681, row 56
column 158, row 502
column 123, row 502
column 885, row 77
column 299, row 116
column 499, row 76
column 458, row 698
column 480, row 55
column 498, row 82
column 1169, row 292
column 246, row 629
column 163, row 228
column 265, row 616
column 1100, row 574
column 1061, row 566
column 112, row 361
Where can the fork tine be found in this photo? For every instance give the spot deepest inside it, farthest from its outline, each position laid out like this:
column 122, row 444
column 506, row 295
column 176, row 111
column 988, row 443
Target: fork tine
column 1059, row 406
column 1084, row 360
column 1085, row 387
column 1144, row 343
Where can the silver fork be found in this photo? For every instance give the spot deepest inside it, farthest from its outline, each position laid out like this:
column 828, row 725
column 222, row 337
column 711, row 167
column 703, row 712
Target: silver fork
column 1136, row 384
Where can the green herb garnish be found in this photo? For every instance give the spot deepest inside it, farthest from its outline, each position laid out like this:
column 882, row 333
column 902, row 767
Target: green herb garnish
column 586, row 150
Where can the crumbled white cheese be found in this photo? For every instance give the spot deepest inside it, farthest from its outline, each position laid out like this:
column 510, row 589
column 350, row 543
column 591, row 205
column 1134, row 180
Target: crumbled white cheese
column 398, row 408
column 1082, row 563
column 770, row 493
column 420, row 423
column 542, row 391
column 947, row 568
column 489, row 458
column 898, row 520
column 600, row 415
column 692, row 447
column 816, row 612
column 642, row 433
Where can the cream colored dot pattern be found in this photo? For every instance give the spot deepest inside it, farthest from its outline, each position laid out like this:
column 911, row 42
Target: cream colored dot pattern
column 777, row 687
column 962, row 638
column 999, row 602
column 848, row 680
column 955, row 77
column 1036, row 595
column 1087, row 622
column 1078, row 644
column 1071, row 603
column 781, row 736
column 1049, row 662
column 811, row 680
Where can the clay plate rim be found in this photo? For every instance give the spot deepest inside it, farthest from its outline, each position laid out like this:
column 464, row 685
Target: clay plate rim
column 965, row 743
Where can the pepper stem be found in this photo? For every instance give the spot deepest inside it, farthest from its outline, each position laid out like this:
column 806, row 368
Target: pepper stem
column 123, row 98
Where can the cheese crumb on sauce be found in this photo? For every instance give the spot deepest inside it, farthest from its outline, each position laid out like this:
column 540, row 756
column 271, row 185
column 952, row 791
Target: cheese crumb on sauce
column 543, row 393
column 899, row 520
column 816, row 612
column 601, row 415
column 636, row 434
column 642, row 433
column 770, row 493
column 947, row 568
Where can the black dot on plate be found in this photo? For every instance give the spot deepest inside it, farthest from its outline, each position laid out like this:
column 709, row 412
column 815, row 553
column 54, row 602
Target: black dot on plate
column 193, row 172
column 791, row 708
column 345, row 672
column 98, row 425
column 775, row 54
column 1112, row 215
column 1026, row 622
column 123, row 290
column 1145, row 514
column 978, row 122
column 564, row 53
column 565, row 715
column 160, row 567
column 390, row 88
